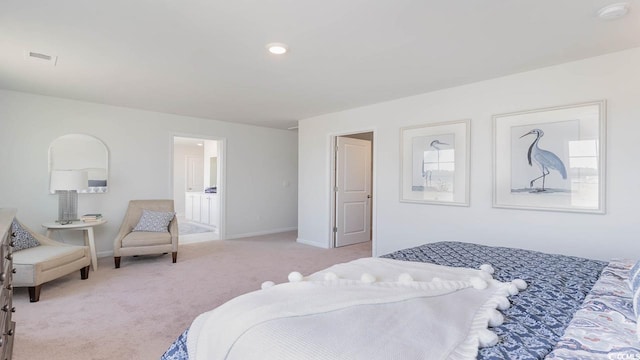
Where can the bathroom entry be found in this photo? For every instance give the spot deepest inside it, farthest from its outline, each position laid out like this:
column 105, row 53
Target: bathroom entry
column 196, row 191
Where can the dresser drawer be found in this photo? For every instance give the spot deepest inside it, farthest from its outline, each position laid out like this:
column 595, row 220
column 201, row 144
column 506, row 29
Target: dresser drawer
column 6, row 310
column 7, row 326
column 4, row 251
column 6, row 274
column 8, row 241
column 6, row 347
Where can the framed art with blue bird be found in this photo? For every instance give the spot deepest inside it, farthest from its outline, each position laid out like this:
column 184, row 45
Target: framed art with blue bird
column 435, row 163
column 551, row 159
column 540, row 157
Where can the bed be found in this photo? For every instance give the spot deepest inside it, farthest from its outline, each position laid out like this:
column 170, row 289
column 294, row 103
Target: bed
column 572, row 308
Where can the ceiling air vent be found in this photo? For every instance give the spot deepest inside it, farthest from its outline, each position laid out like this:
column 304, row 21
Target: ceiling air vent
column 40, row 57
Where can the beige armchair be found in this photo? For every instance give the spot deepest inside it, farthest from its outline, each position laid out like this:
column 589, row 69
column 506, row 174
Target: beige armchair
column 130, row 243
column 51, row 260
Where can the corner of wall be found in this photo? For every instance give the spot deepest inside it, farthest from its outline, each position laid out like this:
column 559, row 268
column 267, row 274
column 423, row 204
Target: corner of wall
column 312, row 243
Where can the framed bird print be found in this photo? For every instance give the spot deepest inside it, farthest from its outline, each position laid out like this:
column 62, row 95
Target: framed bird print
column 551, row 159
column 435, row 163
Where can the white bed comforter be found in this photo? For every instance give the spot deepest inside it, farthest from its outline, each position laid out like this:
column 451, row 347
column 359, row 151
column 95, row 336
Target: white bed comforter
column 369, row 308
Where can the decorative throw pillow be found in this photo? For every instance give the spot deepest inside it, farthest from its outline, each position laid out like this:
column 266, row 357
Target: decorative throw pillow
column 154, row 221
column 634, row 284
column 22, row 239
column 636, row 308
column 634, row 276
column 636, row 301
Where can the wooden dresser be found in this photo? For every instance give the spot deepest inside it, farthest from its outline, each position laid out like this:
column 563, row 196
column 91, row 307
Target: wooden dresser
column 7, row 326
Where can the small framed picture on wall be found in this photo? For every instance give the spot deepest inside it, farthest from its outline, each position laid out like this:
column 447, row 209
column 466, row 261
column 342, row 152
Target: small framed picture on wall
column 434, row 162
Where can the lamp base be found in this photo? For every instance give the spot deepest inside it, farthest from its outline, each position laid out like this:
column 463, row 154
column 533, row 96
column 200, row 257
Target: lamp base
column 67, row 206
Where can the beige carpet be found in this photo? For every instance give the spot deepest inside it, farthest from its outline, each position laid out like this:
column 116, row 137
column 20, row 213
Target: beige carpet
column 135, row 312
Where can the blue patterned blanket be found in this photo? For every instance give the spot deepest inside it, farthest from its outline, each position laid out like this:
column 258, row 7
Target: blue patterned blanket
column 538, row 316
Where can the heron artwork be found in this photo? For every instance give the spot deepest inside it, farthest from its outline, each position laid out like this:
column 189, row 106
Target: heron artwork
column 427, row 173
column 546, row 160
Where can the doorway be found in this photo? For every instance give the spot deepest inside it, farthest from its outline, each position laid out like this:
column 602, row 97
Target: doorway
column 198, row 190
column 352, row 189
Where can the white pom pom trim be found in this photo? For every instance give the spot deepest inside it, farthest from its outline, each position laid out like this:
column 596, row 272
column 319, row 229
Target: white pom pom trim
column 330, row 276
column 267, row 284
column 487, row 338
column 478, row 283
column 295, row 276
column 487, row 268
column 485, row 275
column 512, row 289
column 367, row 278
column 503, row 303
column 495, row 318
column 405, row 279
column 520, row 284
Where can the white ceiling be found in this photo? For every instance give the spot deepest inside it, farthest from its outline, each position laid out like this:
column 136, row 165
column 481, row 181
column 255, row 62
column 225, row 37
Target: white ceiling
column 207, row 58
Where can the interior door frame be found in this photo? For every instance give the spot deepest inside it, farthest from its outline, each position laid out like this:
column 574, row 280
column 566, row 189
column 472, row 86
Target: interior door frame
column 222, row 175
column 332, row 184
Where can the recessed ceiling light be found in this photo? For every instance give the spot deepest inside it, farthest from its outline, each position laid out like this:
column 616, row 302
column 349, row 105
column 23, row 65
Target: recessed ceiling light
column 613, row 11
column 277, row 48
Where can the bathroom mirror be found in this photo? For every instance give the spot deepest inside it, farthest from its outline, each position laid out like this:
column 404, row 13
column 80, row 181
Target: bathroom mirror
column 81, row 152
column 213, row 171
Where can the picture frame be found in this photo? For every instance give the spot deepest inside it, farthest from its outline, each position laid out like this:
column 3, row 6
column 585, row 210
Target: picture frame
column 551, row 159
column 434, row 163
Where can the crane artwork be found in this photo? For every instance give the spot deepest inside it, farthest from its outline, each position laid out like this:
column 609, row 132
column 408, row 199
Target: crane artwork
column 546, row 160
column 427, row 173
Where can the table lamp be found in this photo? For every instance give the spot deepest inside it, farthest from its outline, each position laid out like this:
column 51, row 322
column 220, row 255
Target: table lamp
column 66, row 184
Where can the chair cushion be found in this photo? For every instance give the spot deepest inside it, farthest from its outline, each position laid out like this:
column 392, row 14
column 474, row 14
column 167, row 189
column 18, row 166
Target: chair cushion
column 155, row 221
column 23, row 239
column 146, row 238
column 49, row 256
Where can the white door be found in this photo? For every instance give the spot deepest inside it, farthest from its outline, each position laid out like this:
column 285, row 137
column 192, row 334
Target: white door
column 195, row 173
column 353, row 191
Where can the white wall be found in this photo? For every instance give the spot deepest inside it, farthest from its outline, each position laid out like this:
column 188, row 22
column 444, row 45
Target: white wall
column 261, row 163
column 614, row 77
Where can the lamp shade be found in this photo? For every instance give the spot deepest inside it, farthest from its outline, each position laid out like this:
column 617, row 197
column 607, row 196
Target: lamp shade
column 68, row 180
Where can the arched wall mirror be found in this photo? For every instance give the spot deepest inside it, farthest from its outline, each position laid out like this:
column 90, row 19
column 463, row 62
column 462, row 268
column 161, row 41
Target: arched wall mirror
column 82, row 153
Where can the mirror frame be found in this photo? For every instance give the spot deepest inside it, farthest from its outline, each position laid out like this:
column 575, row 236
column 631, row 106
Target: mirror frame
column 78, row 141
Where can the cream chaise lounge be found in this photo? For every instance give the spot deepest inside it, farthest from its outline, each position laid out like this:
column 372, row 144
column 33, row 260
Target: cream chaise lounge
column 48, row 261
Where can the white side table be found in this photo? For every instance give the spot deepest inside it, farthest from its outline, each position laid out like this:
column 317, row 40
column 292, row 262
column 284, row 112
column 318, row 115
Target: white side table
column 87, row 227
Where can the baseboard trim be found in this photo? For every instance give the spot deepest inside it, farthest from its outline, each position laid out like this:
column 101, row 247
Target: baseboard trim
column 107, row 253
column 258, row 233
column 311, row 243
